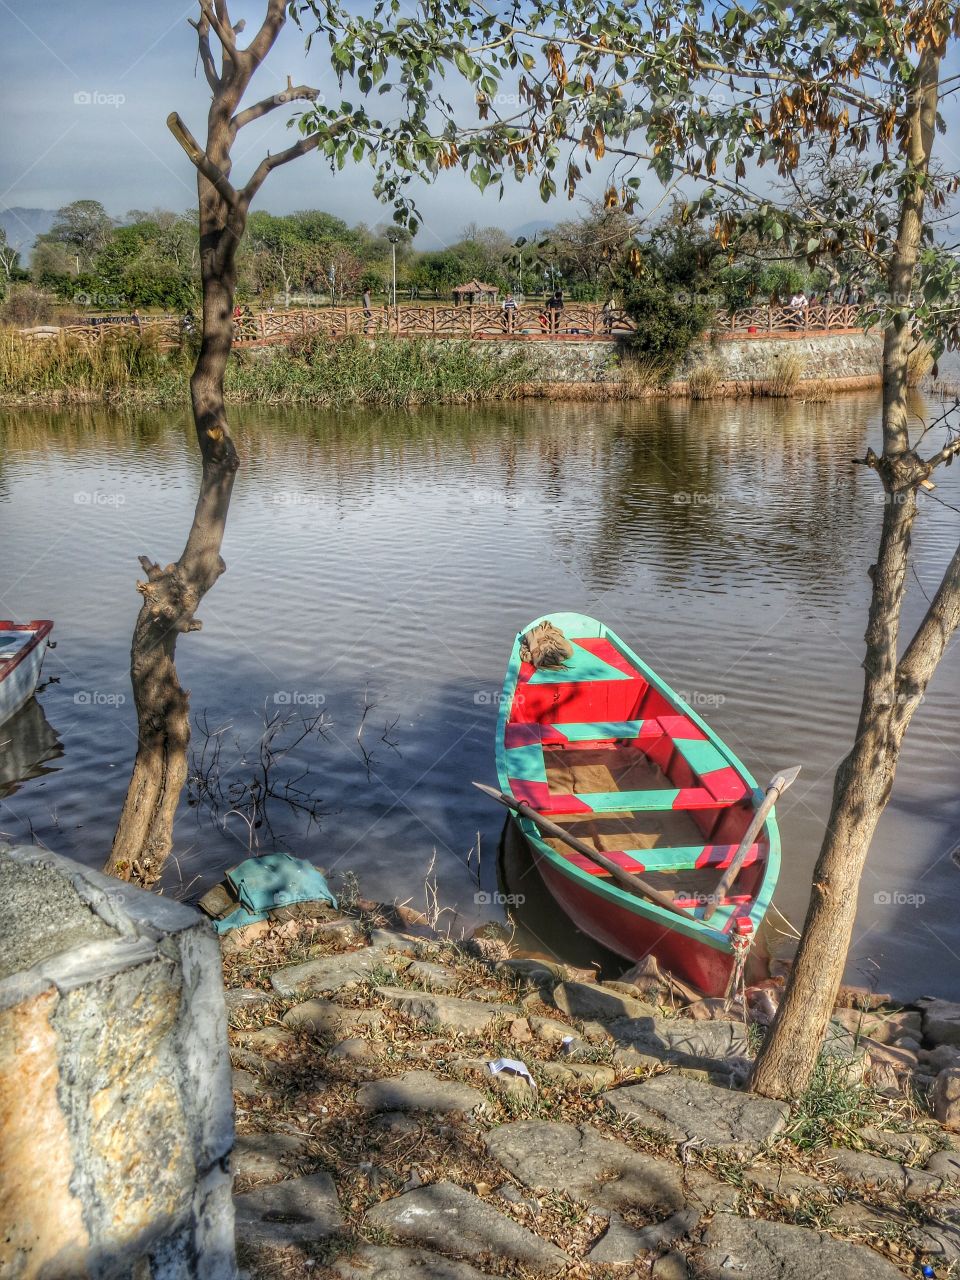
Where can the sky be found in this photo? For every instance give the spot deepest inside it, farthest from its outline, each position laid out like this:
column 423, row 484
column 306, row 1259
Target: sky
column 85, row 92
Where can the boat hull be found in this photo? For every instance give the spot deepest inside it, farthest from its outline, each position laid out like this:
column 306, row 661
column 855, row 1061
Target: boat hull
column 635, row 936
column 19, row 678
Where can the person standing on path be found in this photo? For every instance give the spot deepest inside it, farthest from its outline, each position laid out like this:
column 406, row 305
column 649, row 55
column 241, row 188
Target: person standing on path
column 367, row 311
column 554, row 307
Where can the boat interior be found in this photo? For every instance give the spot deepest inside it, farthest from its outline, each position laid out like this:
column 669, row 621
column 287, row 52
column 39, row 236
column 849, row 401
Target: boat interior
column 11, row 642
column 605, row 754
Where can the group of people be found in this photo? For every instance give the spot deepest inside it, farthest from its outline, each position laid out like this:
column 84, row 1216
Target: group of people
column 549, row 318
column 800, row 302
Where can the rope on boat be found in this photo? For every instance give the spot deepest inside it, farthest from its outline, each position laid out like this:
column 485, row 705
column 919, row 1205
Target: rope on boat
column 737, row 986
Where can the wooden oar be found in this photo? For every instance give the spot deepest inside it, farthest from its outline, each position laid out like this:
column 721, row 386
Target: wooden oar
column 774, row 791
column 625, row 878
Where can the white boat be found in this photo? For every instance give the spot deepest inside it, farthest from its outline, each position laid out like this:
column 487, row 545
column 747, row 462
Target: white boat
column 22, row 646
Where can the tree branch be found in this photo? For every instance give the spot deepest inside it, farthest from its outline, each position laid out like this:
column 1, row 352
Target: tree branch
column 202, row 28
column 948, row 451
column 269, row 163
column 927, row 647
column 201, row 160
column 264, row 40
column 292, row 93
column 220, row 21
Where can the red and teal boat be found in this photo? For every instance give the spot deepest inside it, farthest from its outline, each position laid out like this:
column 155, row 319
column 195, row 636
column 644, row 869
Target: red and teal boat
column 604, row 747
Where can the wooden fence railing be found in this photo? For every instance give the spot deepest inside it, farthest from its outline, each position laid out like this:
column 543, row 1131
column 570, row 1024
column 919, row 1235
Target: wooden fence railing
column 822, row 318
column 577, row 320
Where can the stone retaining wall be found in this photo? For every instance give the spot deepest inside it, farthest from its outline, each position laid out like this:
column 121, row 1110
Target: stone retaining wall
column 116, row 1120
column 829, row 356
column 847, row 360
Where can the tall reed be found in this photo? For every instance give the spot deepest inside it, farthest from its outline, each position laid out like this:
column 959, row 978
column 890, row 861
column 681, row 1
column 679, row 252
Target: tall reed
column 784, row 376
column 141, row 369
column 117, row 362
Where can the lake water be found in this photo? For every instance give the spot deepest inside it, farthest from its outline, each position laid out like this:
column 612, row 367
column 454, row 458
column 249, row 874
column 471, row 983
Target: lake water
column 388, row 559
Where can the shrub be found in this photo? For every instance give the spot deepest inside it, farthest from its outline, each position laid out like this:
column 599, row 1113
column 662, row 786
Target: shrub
column 27, row 306
column 784, row 375
column 703, row 380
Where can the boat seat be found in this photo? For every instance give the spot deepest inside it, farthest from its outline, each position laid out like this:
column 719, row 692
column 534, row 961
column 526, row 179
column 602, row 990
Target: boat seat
column 719, row 783
column 675, row 858
column 535, row 792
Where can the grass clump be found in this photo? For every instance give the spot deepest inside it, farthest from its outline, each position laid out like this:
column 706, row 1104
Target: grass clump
column 143, row 368
column 919, row 363
column 703, row 380
column 784, row 376
column 74, row 367
column 833, row 1106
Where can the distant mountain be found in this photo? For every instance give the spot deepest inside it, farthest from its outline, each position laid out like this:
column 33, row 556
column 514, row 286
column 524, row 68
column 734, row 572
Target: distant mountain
column 24, row 225
column 532, row 229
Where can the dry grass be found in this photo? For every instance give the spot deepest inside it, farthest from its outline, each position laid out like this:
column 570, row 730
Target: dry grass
column 638, row 375
column 815, row 391
column 72, row 367
column 784, row 376
column 919, row 364
column 704, row 380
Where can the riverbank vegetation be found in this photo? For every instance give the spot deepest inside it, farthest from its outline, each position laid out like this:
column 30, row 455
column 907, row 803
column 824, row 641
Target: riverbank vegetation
column 122, row 365
column 88, row 263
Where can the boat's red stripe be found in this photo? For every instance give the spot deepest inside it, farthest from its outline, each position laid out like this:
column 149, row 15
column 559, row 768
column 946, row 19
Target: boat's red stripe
column 528, row 735
column 678, row 726
column 605, row 651
column 539, row 796
column 725, row 785
column 693, row 798
column 40, row 629
column 721, row 855
column 615, row 855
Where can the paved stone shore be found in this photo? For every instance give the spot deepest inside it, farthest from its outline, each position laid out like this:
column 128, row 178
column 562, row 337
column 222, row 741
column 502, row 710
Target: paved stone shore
column 379, row 1139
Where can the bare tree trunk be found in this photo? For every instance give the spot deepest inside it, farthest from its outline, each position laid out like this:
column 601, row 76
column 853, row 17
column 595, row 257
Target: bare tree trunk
column 172, row 595
column 892, row 689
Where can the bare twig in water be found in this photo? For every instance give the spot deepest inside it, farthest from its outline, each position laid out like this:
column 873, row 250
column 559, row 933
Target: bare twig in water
column 258, row 784
column 431, row 896
column 369, row 759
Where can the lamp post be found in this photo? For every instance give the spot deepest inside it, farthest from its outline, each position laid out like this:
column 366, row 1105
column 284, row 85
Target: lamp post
column 518, row 245
column 394, row 235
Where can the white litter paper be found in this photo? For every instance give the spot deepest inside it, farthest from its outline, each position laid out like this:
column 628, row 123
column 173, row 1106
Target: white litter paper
column 515, row 1067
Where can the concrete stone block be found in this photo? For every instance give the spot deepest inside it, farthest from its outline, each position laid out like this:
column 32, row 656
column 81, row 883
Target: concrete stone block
column 116, row 1115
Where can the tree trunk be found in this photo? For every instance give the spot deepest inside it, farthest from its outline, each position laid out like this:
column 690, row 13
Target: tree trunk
column 172, row 595
column 891, row 691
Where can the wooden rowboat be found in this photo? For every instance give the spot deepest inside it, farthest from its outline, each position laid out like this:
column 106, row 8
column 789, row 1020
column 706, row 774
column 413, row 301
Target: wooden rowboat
column 22, row 646
column 604, row 747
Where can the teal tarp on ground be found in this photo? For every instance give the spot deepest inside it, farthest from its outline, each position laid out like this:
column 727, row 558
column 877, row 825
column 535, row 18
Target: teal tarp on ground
column 237, row 919
column 278, row 880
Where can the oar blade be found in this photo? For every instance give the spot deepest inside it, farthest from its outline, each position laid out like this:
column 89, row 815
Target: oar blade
column 788, row 777
column 494, row 794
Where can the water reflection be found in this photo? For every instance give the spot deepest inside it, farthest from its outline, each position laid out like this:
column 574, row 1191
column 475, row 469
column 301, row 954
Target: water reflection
column 28, row 744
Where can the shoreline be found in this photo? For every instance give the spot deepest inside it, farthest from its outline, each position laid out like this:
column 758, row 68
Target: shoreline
column 612, row 392
column 362, row 1042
